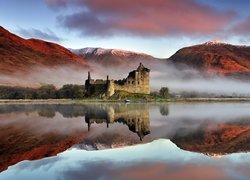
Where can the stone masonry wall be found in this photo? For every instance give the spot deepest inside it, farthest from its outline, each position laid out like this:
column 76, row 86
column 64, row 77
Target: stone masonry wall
column 137, row 82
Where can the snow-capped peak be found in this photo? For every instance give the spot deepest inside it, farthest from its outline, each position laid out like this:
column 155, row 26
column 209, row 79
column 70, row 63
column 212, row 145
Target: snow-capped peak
column 97, row 51
column 119, row 52
column 213, row 42
column 101, row 51
column 90, row 51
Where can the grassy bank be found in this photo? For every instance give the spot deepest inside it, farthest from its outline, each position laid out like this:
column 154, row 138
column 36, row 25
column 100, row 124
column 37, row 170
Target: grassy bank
column 84, row 101
column 54, row 101
column 211, row 100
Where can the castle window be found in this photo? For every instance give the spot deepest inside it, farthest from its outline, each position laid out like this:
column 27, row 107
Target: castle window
column 138, row 82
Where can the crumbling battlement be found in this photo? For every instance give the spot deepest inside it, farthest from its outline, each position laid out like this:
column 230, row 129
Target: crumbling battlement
column 138, row 81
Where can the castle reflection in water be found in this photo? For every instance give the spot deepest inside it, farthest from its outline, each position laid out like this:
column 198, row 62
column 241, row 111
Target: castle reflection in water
column 135, row 116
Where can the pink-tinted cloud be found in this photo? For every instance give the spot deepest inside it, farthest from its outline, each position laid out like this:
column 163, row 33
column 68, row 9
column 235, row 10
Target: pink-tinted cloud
column 142, row 17
column 146, row 170
column 242, row 27
column 163, row 171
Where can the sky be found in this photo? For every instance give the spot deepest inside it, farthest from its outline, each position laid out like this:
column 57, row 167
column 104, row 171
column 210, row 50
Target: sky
column 155, row 27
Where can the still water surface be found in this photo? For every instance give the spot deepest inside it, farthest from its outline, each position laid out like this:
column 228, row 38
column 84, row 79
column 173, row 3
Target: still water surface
column 125, row 141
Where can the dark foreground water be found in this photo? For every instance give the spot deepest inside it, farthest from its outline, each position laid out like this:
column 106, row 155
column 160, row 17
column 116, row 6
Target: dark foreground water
column 125, row 141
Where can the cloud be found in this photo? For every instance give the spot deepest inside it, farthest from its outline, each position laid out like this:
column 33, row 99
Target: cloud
column 239, row 29
column 142, row 17
column 243, row 27
column 47, row 34
column 57, row 2
column 142, row 170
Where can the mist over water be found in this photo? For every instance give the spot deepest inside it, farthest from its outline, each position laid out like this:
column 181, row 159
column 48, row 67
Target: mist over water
column 162, row 74
column 39, row 76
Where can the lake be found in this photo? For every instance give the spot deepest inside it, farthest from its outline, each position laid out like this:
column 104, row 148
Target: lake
column 125, row 141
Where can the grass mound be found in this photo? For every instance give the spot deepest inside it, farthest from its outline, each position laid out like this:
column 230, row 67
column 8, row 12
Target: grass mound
column 123, row 95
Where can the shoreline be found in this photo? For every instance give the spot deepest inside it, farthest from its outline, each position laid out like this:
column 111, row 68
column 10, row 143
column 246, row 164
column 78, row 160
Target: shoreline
column 84, row 101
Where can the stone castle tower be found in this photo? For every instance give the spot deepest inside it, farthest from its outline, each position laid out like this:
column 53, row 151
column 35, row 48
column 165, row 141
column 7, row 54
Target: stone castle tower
column 135, row 116
column 138, row 81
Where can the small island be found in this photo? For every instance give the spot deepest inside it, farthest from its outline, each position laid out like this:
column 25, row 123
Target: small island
column 134, row 88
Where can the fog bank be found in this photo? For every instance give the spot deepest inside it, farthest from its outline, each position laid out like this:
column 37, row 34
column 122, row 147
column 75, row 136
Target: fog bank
column 162, row 75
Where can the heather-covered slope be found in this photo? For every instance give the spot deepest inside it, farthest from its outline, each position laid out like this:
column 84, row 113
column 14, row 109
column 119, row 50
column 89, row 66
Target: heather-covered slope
column 21, row 55
column 216, row 139
column 215, row 58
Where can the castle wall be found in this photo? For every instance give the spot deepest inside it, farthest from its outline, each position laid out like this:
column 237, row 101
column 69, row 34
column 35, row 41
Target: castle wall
column 96, row 87
column 136, row 117
column 137, row 82
column 110, row 88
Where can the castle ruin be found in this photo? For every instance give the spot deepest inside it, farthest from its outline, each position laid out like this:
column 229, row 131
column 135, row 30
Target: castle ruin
column 136, row 82
column 135, row 116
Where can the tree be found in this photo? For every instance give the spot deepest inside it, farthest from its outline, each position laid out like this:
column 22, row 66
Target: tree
column 71, row 91
column 47, row 92
column 154, row 93
column 78, row 92
column 164, row 110
column 17, row 93
column 66, row 91
column 164, row 92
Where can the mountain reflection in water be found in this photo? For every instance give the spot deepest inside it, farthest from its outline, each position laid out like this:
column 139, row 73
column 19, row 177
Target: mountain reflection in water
column 30, row 132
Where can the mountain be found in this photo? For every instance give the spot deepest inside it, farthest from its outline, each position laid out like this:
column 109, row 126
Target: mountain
column 109, row 141
column 209, row 58
column 216, row 139
column 26, row 146
column 113, row 57
column 215, row 58
column 20, row 55
column 41, row 134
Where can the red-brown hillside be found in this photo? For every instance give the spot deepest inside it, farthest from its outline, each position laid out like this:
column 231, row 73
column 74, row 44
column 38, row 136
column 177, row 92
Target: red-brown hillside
column 215, row 58
column 20, row 55
column 216, row 139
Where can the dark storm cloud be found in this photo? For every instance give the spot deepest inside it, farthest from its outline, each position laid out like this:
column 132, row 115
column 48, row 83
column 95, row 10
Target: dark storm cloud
column 142, row 17
column 47, row 34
